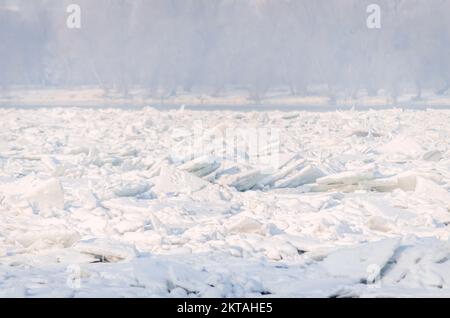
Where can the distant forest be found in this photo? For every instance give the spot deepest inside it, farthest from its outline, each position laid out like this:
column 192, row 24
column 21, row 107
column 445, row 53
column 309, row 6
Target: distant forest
column 168, row 46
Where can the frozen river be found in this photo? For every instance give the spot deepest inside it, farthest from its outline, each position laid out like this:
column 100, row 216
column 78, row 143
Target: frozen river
column 176, row 203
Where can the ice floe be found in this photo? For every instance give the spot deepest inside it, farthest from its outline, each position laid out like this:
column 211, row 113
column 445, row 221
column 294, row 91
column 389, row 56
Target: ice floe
column 148, row 203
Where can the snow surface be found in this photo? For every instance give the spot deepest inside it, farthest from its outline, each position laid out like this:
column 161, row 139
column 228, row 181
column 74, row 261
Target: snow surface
column 116, row 203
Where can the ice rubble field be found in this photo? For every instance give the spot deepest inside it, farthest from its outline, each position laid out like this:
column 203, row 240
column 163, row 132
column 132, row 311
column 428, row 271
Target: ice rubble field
column 110, row 203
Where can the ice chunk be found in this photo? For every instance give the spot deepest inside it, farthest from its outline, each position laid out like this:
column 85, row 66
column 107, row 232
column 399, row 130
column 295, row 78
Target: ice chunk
column 132, row 189
column 307, row 175
column 51, row 163
column 421, row 263
column 346, row 178
column 151, row 274
column 107, row 250
column 428, row 189
column 45, row 237
column 88, row 198
column 433, row 155
column 381, row 207
column 129, row 226
column 284, row 170
column 47, row 195
column 365, row 133
column 248, row 180
column 162, row 276
column 202, row 166
column 172, row 181
column 379, row 223
column 403, row 146
column 186, row 277
column 245, row 225
column 406, row 181
column 357, row 262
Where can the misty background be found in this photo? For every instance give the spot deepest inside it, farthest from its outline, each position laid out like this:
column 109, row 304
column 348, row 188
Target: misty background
column 169, row 46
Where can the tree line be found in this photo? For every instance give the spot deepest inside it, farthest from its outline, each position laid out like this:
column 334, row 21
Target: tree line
column 169, row 46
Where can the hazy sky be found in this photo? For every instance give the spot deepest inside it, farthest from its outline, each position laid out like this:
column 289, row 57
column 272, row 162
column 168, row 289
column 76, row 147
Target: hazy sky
column 167, row 46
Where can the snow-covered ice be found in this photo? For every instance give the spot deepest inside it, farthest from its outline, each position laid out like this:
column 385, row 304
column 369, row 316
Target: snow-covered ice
column 135, row 203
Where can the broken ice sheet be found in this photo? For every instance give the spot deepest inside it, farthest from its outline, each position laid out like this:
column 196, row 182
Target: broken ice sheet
column 355, row 262
column 332, row 219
